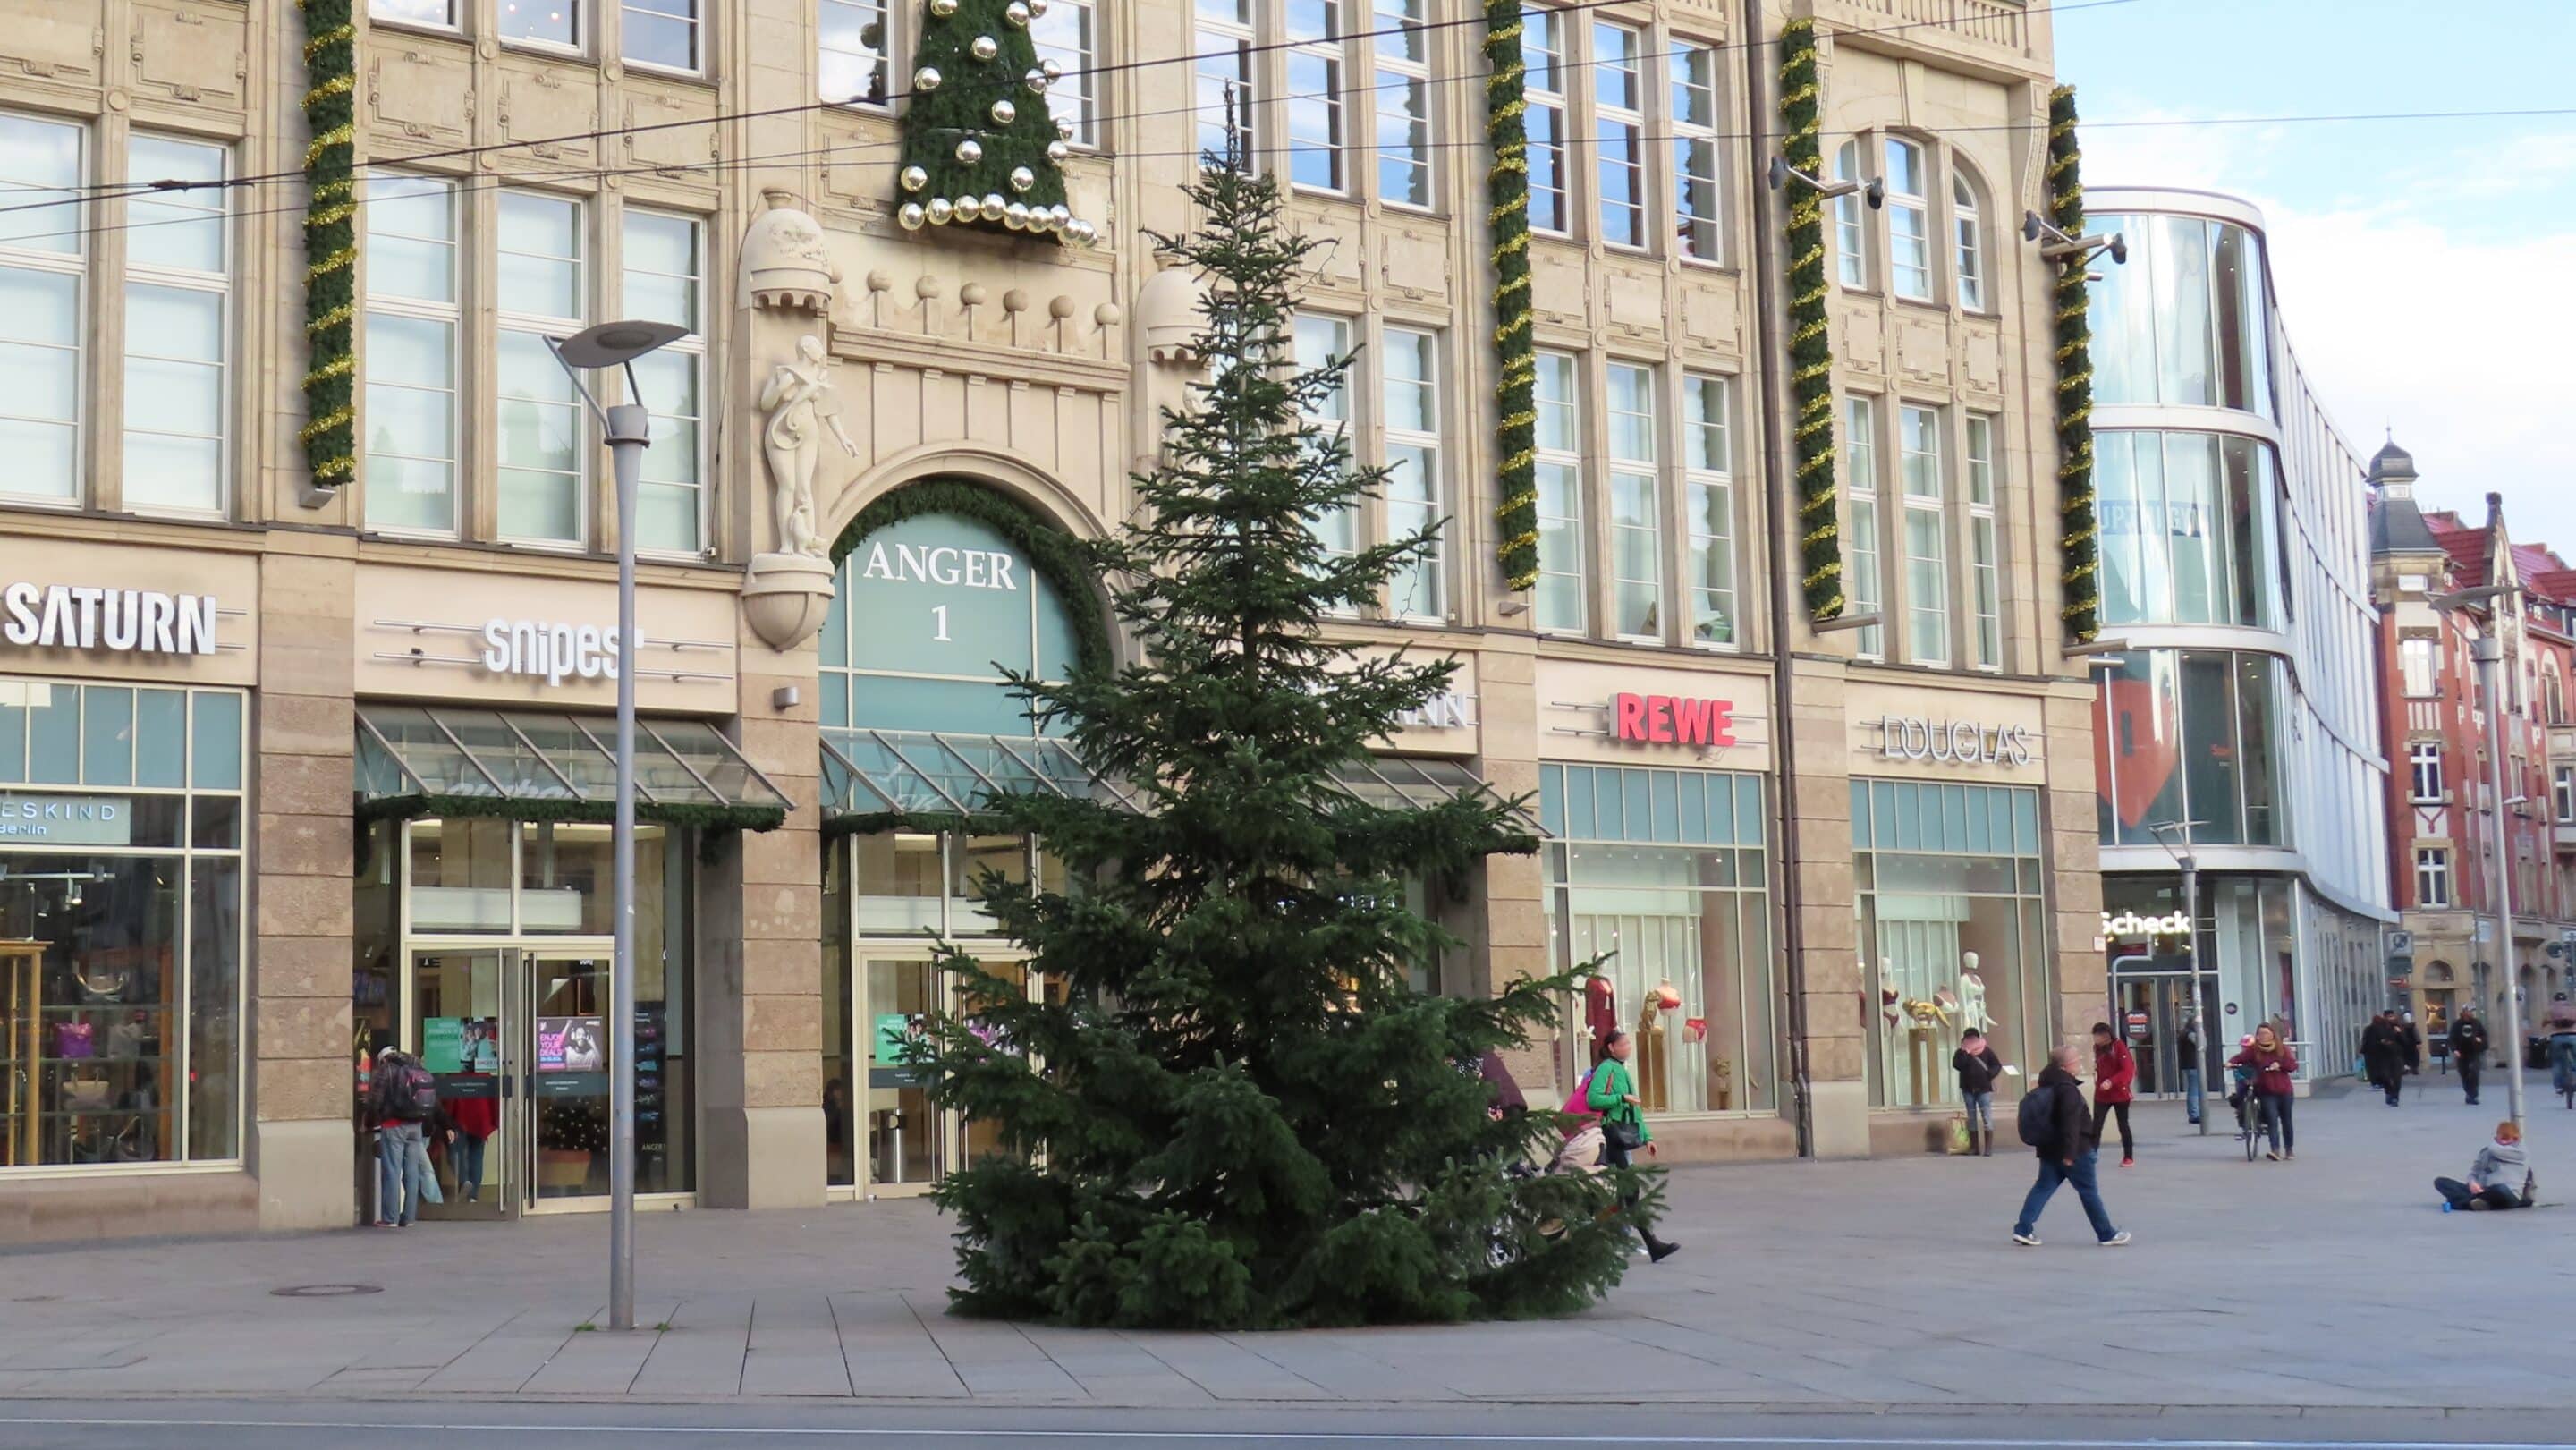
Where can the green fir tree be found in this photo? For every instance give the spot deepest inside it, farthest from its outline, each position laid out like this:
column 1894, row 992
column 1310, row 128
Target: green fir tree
column 1237, row 1111
column 980, row 147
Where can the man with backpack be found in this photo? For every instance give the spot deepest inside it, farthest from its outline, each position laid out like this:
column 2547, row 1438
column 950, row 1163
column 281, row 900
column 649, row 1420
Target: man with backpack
column 2055, row 1122
column 401, row 1098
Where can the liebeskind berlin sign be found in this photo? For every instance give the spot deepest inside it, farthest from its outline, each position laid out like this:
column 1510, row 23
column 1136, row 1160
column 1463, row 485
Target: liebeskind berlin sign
column 120, row 621
column 1965, row 742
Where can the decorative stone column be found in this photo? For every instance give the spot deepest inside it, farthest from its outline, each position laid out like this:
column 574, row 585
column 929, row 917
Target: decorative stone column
column 2082, row 973
column 1828, row 911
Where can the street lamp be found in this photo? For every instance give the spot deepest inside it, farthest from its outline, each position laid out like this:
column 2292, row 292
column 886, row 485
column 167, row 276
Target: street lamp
column 2190, row 867
column 628, row 429
column 2487, row 650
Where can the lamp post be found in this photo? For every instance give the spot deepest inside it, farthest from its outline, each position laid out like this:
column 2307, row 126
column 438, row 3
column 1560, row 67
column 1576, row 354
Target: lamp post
column 2487, row 651
column 2190, row 866
column 627, row 428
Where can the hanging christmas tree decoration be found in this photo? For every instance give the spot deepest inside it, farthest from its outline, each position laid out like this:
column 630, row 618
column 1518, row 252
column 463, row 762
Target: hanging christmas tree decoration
column 974, row 146
column 911, row 215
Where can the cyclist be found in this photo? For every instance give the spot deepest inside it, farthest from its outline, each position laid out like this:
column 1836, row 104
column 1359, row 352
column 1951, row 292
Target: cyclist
column 2274, row 1069
column 2561, row 1023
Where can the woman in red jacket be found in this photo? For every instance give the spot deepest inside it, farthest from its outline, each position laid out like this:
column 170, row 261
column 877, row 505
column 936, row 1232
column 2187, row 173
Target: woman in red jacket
column 2275, row 1083
column 2115, row 1081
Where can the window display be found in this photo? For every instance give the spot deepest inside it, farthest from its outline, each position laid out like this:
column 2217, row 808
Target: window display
column 1952, row 935
column 121, row 835
column 1659, row 877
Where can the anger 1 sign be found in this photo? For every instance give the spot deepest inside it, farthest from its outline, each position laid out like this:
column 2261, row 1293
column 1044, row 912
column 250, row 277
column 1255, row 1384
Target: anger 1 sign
column 1672, row 720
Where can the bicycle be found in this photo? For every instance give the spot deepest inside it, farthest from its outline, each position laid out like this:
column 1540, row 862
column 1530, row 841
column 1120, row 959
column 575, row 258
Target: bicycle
column 2249, row 1120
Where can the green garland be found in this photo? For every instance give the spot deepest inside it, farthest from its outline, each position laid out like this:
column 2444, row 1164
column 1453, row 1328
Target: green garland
column 1050, row 550
column 1515, row 348
column 330, row 433
column 1811, row 349
column 598, row 813
column 2077, row 546
column 973, row 125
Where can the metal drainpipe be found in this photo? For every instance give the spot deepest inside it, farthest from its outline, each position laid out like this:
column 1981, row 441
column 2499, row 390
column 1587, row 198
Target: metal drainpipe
column 1771, row 324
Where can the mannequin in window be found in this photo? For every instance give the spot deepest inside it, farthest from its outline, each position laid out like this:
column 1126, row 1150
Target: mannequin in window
column 1972, row 996
column 1654, row 1083
column 1600, row 1015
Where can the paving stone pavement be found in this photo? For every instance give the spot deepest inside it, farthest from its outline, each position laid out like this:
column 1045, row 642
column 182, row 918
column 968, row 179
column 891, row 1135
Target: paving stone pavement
column 2328, row 1282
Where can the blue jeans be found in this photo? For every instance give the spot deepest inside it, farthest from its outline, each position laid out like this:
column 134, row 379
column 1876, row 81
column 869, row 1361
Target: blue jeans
column 2191, row 1097
column 467, row 1154
column 1981, row 1111
column 2088, row 1191
column 402, row 1163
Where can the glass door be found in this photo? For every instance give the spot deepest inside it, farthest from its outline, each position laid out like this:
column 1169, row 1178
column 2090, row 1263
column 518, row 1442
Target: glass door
column 461, row 1002
column 566, row 1041
column 2154, row 1008
column 904, row 1145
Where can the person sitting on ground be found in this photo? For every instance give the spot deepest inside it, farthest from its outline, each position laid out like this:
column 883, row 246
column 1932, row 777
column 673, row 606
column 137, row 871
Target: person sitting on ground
column 2501, row 1178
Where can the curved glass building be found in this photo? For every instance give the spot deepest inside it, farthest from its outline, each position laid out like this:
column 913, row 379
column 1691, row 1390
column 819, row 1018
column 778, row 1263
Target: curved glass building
column 2235, row 711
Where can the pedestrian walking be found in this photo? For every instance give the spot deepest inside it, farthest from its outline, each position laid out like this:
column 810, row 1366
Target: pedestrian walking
column 2500, row 1178
column 2054, row 1123
column 2383, row 1055
column 2115, row 1081
column 2469, row 1051
column 2561, row 1023
column 1977, row 1066
column 1613, row 1095
column 2411, row 1043
column 401, row 1099
column 2272, row 1070
column 2187, row 1049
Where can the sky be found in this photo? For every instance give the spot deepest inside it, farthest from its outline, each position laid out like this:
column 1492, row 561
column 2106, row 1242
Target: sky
column 2426, row 269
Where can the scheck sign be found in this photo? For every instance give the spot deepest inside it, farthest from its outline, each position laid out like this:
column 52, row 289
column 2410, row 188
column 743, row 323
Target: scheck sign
column 1672, row 720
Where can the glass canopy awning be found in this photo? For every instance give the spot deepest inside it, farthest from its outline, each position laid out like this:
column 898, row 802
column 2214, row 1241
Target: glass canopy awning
column 539, row 766
column 877, row 777
column 1418, row 782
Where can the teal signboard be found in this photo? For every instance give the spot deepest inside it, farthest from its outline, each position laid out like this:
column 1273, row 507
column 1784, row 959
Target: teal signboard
column 928, row 611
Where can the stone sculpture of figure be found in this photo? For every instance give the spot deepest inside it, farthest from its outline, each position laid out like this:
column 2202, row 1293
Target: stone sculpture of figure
column 799, row 400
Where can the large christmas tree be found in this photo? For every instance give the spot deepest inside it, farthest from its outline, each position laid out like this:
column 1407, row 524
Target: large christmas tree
column 980, row 147
column 1231, row 1107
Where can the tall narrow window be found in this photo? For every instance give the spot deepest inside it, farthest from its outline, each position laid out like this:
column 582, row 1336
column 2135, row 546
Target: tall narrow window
column 2432, row 877
column 1695, row 192
column 2415, row 665
column 2562, row 794
column 1860, row 482
column 1321, row 342
column 1969, row 230
column 1636, row 507
column 1560, row 496
column 177, row 329
column 1708, row 462
column 542, row 294
column 2424, row 769
column 1985, row 545
column 1927, row 564
column 42, row 258
column 1403, row 103
column 1224, row 71
column 1065, row 35
column 1411, row 361
column 663, row 34
column 851, row 64
column 1909, row 223
column 1619, row 121
column 411, row 330
column 665, row 264
column 1543, row 67
column 541, row 22
column 1851, row 225
column 1316, row 36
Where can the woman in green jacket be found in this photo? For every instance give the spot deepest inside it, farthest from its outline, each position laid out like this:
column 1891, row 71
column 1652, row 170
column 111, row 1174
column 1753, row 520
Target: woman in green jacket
column 1613, row 1095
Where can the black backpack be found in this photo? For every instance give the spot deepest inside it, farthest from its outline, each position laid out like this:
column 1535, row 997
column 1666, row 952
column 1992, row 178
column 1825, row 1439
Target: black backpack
column 2037, row 1117
column 410, row 1093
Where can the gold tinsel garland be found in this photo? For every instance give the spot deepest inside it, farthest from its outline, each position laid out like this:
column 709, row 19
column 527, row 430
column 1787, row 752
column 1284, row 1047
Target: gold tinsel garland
column 2078, row 546
column 1811, row 353
column 1515, row 346
column 330, row 242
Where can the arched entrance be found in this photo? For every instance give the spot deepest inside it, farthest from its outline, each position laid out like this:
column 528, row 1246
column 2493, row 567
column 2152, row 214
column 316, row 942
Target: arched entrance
column 945, row 588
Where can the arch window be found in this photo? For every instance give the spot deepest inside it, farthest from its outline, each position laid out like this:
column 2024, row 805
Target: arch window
column 1851, row 227
column 1968, row 237
column 1909, row 221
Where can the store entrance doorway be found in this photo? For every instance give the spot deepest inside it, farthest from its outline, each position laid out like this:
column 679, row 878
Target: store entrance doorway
column 518, row 1040
column 2154, row 1008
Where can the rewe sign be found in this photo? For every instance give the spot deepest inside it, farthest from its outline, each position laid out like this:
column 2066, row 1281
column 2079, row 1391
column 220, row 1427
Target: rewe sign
column 1672, row 720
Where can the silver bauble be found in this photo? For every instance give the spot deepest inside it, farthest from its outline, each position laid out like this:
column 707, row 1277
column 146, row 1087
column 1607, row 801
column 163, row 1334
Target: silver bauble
column 1058, row 150
column 1003, row 112
column 968, row 208
column 939, row 211
column 911, row 214
column 984, row 47
column 1051, row 69
column 1063, row 214
column 994, row 206
column 943, row 8
column 914, row 178
column 1064, row 128
column 1079, row 233
column 1037, row 9
column 1036, row 80
column 926, row 79
column 1022, row 178
column 969, row 151
column 1017, row 12
column 1016, row 216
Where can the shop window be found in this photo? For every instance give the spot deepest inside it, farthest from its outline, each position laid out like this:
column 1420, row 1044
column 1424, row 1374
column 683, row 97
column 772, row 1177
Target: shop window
column 1660, row 875
column 2190, row 736
column 121, row 927
column 1952, row 931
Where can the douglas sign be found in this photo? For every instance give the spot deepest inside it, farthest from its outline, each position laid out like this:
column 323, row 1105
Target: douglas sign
column 1964, row 742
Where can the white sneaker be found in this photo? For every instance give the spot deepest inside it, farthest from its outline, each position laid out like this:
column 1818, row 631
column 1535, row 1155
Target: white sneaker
column 2117, row 1239
column 2028, row 1241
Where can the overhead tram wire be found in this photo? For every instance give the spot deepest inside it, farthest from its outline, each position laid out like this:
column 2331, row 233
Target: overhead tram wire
column 128, row 189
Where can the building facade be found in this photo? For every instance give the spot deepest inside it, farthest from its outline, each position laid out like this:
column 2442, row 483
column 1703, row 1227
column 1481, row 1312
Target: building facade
column 2456, row 821
column 291, row 774
column 2236, row 715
